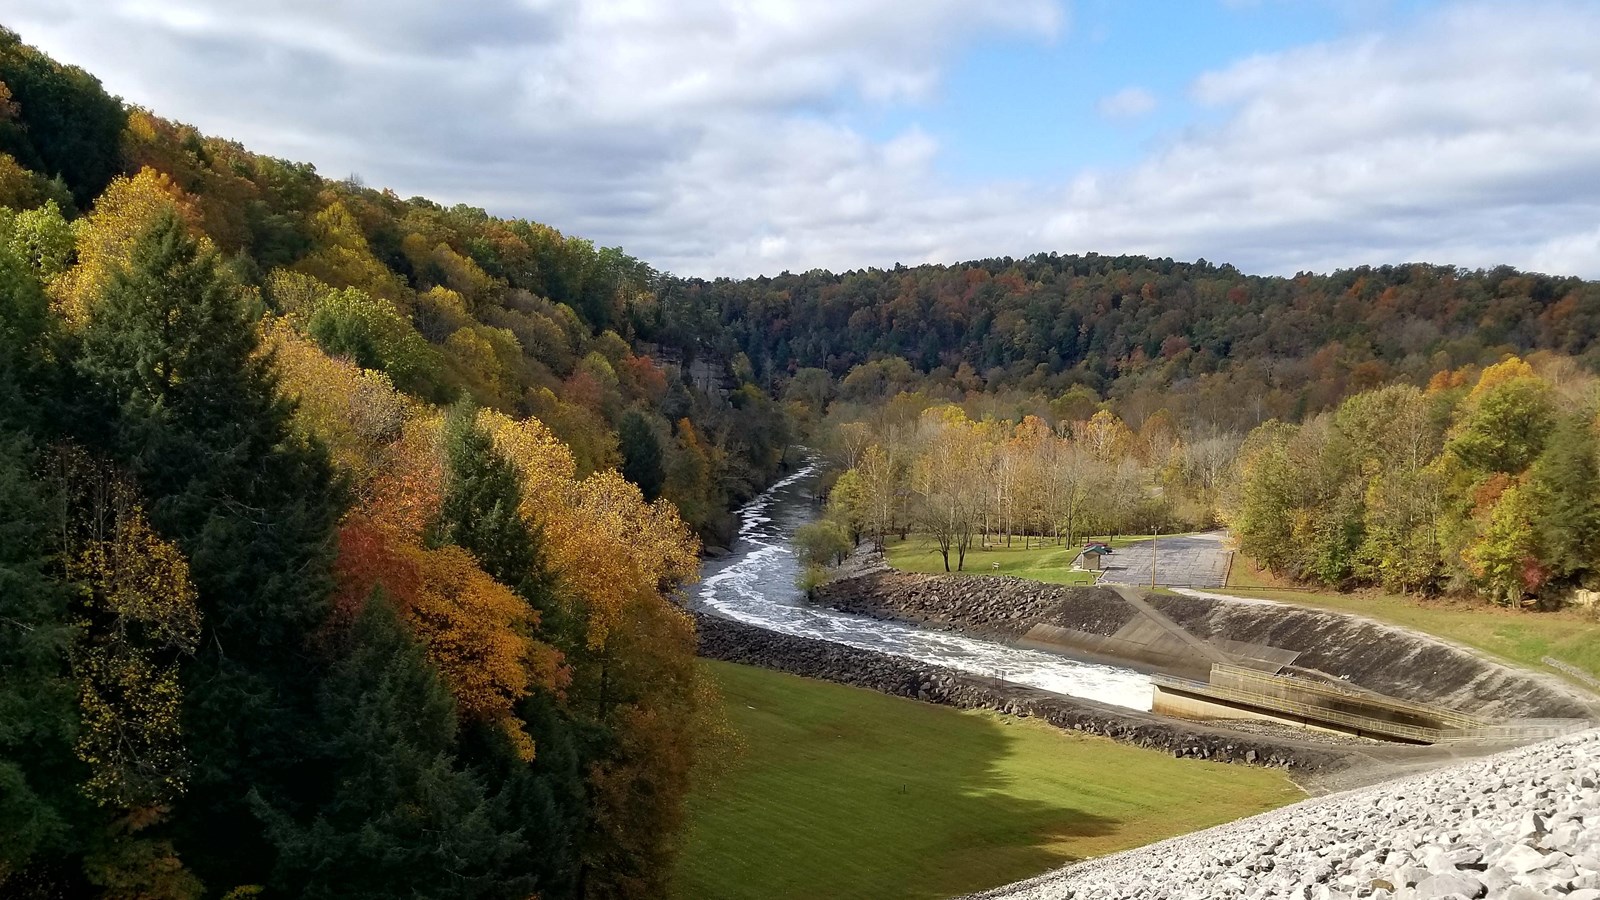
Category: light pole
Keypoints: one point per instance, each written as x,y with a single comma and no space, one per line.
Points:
1153,539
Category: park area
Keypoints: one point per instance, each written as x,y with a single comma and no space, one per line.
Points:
1052,562
1046,562
841,792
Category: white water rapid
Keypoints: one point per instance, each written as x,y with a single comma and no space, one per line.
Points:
755,583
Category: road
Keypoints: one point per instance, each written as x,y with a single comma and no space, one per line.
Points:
1194,560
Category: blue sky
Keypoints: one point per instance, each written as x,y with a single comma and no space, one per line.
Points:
746,136
1029,108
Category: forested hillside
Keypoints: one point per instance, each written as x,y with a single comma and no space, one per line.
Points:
1206,342
342,535
317,572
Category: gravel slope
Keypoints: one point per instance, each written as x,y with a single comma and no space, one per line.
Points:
1521,825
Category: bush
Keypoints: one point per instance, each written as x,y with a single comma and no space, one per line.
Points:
811,578
823,543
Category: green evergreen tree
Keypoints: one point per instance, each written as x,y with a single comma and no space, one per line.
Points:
39,801
641,454
68,125
1566,483
480,512
38,714
544,801
405,818
175,390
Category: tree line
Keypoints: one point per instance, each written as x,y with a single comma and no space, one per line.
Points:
1478,481
1208,343
446,301
967,484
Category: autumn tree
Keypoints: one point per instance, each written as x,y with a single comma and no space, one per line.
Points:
948,478
1505,419
1565,485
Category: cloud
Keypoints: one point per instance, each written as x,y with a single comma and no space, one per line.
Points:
1471,137
1128,103
712,136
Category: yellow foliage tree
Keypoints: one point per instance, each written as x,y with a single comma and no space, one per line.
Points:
476,631
106,237
356,412
137,614
341,256
603,541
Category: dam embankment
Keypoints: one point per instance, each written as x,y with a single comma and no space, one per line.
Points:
725,639
1097,623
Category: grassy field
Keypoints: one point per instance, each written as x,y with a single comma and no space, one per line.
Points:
1050,563
846,793
1516,635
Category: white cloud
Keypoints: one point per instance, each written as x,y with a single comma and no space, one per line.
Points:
708,137
1472,137
1128,103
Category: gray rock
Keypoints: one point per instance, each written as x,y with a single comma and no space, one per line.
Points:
1450,885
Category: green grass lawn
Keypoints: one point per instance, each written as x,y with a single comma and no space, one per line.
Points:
846,793
1050,563
1520,636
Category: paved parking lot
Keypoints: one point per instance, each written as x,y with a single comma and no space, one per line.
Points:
1195,560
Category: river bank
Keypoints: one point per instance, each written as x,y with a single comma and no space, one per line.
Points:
755,584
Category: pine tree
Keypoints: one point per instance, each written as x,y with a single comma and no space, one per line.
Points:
38,719
544,800
641,454
1566,481
405,818
175,391
480,512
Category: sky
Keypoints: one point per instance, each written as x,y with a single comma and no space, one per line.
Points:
745,137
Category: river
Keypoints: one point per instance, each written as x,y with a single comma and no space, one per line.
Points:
755,583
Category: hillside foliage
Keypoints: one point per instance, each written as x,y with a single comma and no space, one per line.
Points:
317,573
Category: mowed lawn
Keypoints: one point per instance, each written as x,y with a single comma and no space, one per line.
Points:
1051,563
846,793
1520,636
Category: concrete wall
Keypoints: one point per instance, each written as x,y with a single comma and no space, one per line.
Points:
1170,702
1377,657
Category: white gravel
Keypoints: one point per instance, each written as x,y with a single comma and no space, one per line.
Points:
1520,825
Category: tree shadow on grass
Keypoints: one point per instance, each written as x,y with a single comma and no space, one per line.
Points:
845,793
